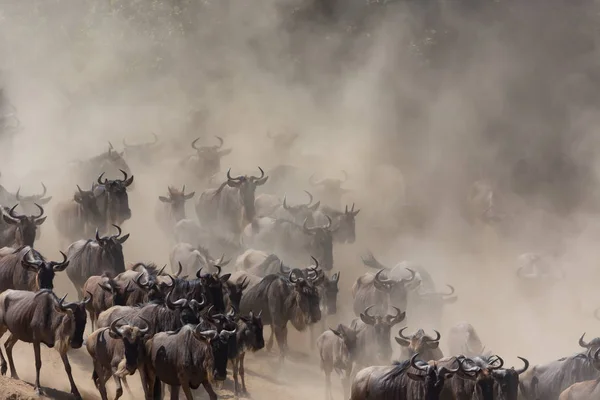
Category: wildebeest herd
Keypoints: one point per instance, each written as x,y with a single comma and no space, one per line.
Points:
183,326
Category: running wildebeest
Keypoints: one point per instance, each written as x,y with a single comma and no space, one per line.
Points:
19,230
24,268
282,300
337,350
343,222
40,317
110,162
171,209
112,199
584,390
380,292
117,351
78,218
106,292
207,160
95,257
249,338
420,342
228,209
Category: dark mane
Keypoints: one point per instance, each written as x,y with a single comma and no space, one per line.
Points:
399,368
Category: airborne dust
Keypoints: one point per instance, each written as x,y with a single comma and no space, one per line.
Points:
415,100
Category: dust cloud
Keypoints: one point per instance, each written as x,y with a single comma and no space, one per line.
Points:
415,100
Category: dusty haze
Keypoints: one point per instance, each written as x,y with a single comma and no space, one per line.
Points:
446,92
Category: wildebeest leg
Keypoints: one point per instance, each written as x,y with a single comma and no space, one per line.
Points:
281,336
186,390
234,367
328,395
8,345
211,393
100,380
242,373
3,366
67,365
174,389
38,365
270,341
118,385
346,382
126,384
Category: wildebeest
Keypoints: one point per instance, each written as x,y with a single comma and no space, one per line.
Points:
549,380
106,292
343,222
78,218
110,162
19,230
295,300
113,201
249,338
292,242
337,350
538,267
207,160
331,190
192,258
27,203
171,208
584,390
380,292
420,342
141,152
95,257
374,336
463,339
37,318
117,351
228,209
481,204
411,380
24,268
271,206
187,358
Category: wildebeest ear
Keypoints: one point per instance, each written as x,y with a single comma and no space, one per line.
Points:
164,199
367,320
45,200
433,345
223,153
189,195
337,333
262,181
40,221
123,239
9,220
224,278
415,377
402,342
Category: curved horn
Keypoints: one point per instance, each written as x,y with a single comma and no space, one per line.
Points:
498,358
285,206
310,196
262,173
291,277
97,237
11,212
383,281
194,144
525,367
220,142
113,327
160,271
45,190
199,273
180,269
78,188
124,175
219,270
401,334
414,364
41,210
328,222
230,178
582,343
118,229
88,299
18,194
147,328
316,262
451,291
438,336
99,180
413,274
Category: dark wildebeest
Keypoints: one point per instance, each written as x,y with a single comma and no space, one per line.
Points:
24,268
228,209
295,300
485,379
27,203
337,350
210,285
549,380
117,352
19,230
331,190
343,222
95,257
426,346
408,380
584,390
111,162
112,199
233,292
374,336
192,258
187,358
290,241
171,209
78,218
381,292
106,292
207,160
464,340
249,338
37,318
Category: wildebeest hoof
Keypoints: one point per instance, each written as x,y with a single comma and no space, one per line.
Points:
15,376
3,369
39,392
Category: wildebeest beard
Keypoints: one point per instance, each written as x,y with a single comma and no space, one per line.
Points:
303,302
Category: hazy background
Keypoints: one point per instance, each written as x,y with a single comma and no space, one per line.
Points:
415,99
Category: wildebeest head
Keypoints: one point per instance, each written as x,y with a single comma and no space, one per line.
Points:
321,243
507,379
141,149
27,202
133,339
26,226
177,201
234,292
301,211
419,342
332,188
74,324
396,289
329,286
213,284
382,326
346,232
482,203
247,188
303,302
44,270
219,345
210,156
116,200
115,159
482,373
350,337
113,245
118,292
253,334
87,201
591,346
432,375
156,291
